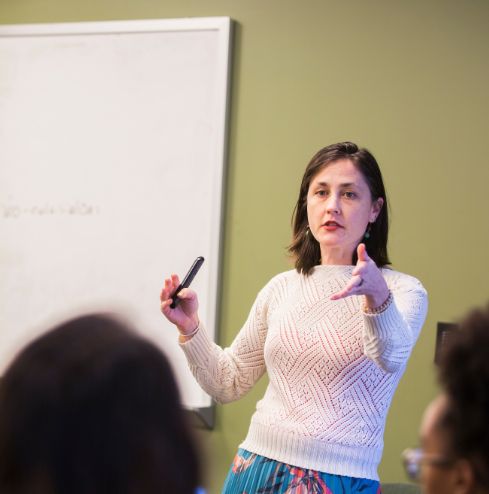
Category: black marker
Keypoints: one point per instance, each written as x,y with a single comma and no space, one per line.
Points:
187,280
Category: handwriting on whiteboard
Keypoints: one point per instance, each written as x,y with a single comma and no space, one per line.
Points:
75,208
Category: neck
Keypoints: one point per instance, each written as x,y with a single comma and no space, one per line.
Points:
336,255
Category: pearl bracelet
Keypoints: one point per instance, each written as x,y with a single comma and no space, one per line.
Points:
381,308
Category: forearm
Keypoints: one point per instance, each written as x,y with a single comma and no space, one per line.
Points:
389,335
225,374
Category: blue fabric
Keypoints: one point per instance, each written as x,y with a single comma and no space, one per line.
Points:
255,474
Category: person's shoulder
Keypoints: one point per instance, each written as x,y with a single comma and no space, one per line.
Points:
283,278
280,281
396,279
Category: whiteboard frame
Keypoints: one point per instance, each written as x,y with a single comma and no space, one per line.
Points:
223,27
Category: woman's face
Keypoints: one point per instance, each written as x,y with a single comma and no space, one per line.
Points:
339,208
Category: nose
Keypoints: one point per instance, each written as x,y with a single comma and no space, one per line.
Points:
333,204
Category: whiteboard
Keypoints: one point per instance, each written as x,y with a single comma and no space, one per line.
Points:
112,164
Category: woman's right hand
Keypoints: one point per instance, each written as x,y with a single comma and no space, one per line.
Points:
184,315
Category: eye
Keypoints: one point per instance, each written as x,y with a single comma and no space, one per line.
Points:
321,193
349,194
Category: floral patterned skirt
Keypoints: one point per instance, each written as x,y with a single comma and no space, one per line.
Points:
255,474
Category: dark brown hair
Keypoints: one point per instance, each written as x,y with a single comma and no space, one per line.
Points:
464,376
91,407
304,247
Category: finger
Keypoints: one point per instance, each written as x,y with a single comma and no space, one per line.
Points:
362,253
358,270
357,281
162,295
339,295
350,289
367,257
166,290
173,284
165,306
187,294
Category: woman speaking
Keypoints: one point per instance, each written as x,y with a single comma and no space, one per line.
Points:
334,336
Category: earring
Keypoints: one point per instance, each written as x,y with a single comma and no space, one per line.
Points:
307,231
366,236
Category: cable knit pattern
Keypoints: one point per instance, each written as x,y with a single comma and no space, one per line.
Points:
332,368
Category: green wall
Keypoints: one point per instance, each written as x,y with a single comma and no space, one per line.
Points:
407,79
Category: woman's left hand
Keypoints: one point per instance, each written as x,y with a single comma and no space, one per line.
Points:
366,280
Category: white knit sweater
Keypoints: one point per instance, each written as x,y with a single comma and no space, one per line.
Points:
332,368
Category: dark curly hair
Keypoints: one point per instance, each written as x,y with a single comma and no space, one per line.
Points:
304,248
464,375
92,407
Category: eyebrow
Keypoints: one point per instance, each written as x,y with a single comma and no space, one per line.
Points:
346,184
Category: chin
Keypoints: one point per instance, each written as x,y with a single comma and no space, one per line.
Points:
332,243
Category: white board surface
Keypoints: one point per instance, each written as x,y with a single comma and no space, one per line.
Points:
112,158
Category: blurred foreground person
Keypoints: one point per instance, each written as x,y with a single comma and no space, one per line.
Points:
454,453
89,408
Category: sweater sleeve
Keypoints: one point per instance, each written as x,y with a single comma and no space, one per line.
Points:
228,374
389,337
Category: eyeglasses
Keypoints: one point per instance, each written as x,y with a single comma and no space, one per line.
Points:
414,458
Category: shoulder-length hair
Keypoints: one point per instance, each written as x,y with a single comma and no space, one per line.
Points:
304,247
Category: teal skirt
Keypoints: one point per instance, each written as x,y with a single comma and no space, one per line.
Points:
255,474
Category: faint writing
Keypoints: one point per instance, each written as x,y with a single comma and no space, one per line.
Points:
76,208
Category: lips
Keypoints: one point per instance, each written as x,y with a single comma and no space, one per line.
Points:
332,225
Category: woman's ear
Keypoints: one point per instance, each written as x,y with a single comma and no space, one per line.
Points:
376,208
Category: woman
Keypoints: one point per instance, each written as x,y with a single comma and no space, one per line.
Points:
454,454
334,336
90,407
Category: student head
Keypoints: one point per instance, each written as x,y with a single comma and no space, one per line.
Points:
305,247
454,455
89,408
